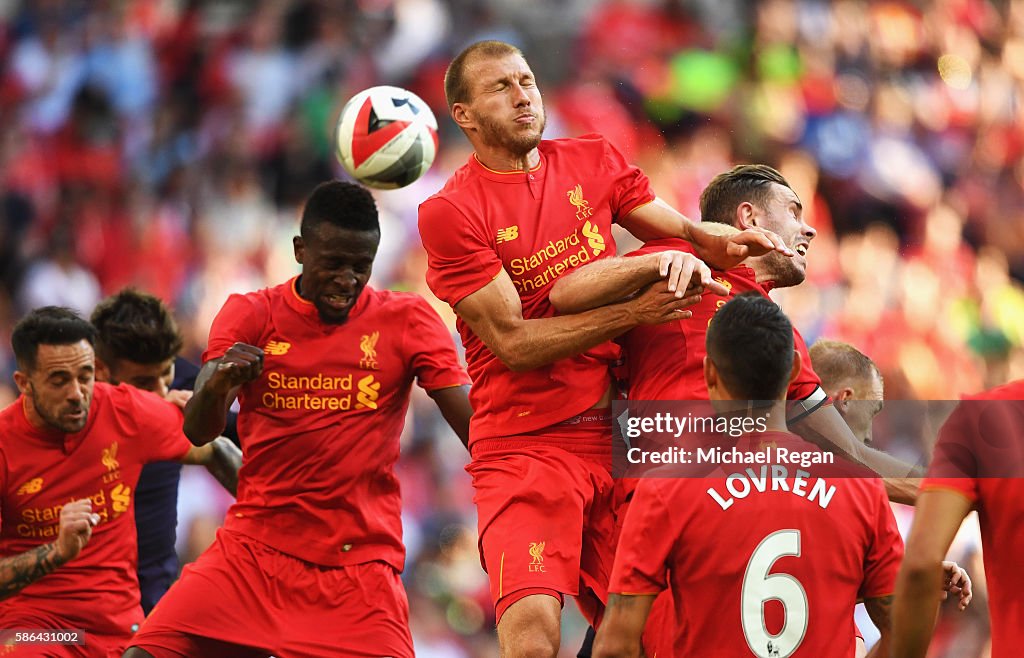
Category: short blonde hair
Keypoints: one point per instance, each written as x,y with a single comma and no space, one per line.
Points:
456,86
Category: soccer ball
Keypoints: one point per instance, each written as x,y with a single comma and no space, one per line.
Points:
386,137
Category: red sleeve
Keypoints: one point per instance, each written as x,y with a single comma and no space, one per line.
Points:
663,244
648,537
954,463
460,257
159,425
430,350
240,320
885,552
807,381
630,186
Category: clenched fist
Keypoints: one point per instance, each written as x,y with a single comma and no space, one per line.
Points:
76,523
242,363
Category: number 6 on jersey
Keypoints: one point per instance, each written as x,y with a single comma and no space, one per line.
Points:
759,587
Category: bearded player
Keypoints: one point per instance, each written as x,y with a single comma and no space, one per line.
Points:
520,214
308,560
71,451
664,362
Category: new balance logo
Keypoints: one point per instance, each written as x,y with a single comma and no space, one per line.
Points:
32,486
508,234
277,348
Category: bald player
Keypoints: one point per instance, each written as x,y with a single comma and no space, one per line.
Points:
847,375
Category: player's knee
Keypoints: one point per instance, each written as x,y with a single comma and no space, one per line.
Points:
531,628
530,645
135,652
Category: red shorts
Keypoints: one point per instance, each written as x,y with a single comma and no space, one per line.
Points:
243,598
545,509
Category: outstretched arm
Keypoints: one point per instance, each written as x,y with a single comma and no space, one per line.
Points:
825,428
206,414
495,314
19,571
611,280
719,245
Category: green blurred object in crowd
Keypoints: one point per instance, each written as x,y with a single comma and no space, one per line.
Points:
702,80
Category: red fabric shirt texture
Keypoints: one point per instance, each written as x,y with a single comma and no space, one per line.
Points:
666,361
538,226
320,427
980,454
838,547
42,470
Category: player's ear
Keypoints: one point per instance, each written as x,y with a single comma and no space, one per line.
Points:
102,371
300,248
710,375
21,381
745,216
461,116
798,364
842,398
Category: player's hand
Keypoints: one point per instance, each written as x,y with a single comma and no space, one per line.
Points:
178,398
725,247
76,523
655,304
242,363
956,581
685,274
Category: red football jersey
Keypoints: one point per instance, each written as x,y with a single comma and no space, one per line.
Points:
761,564
666,361
42,470
537,225
979,454
320,427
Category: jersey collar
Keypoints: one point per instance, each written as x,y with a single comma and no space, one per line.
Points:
516,176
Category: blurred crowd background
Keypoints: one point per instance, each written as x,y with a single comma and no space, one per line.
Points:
168,144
